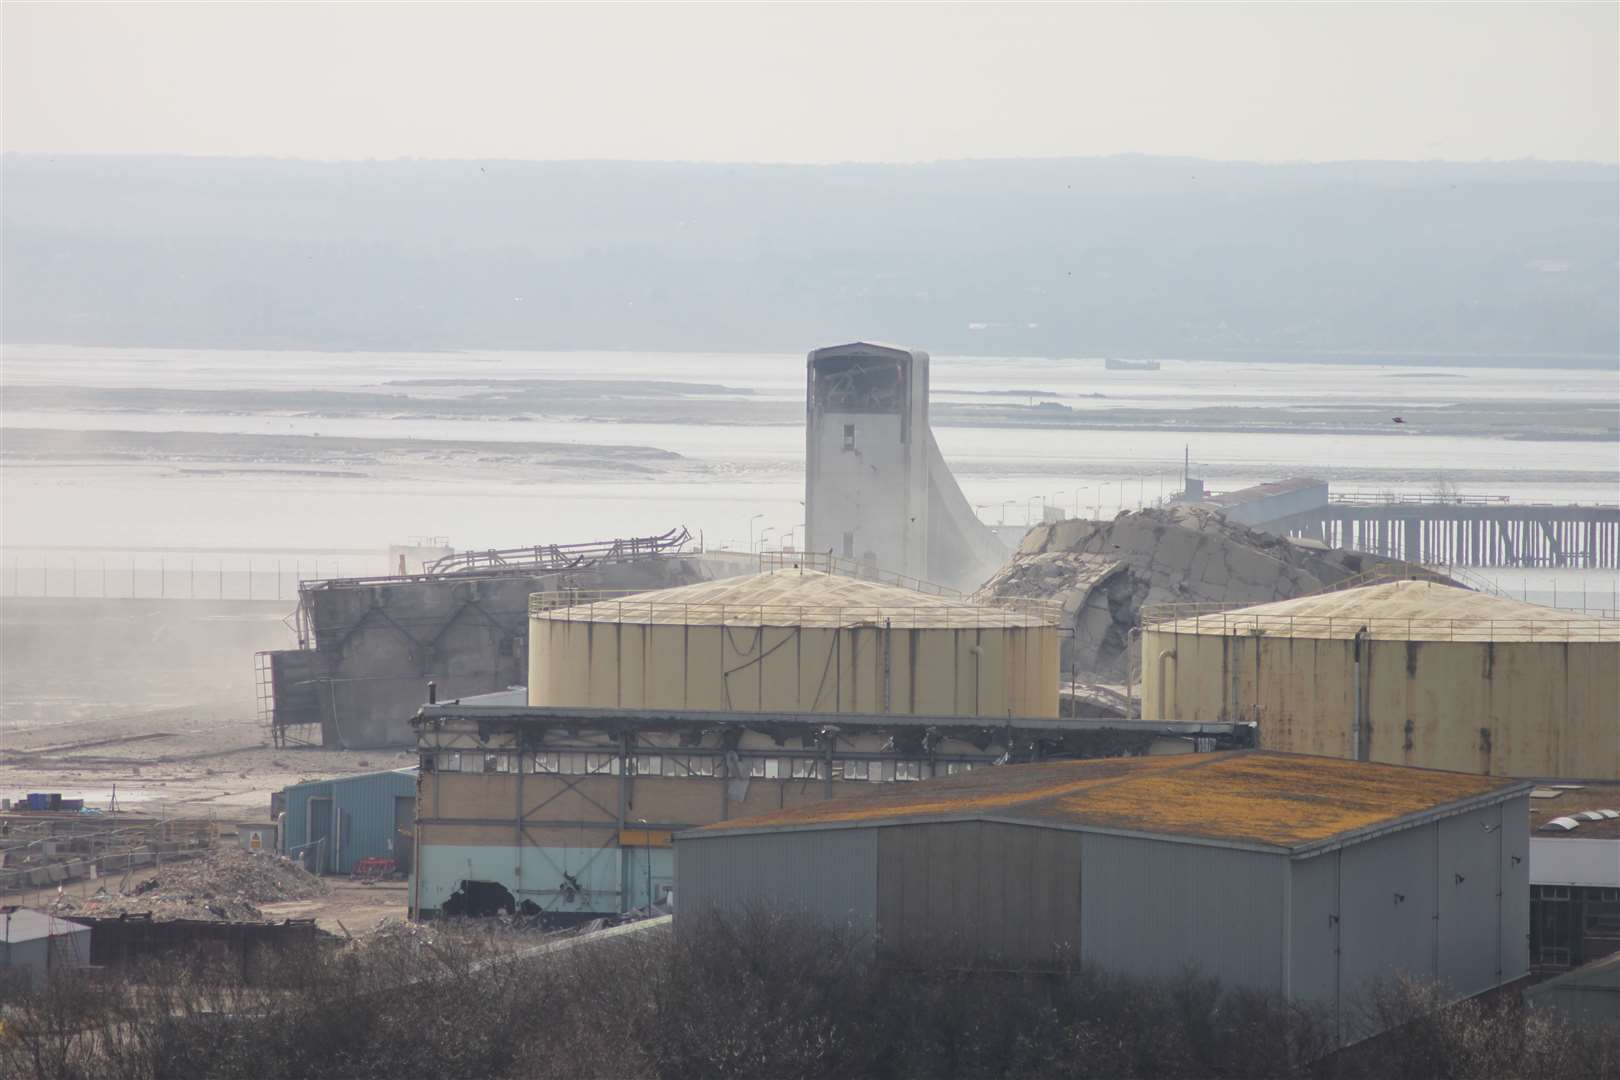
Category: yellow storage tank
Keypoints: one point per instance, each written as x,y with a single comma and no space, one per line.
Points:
1406,672
795,640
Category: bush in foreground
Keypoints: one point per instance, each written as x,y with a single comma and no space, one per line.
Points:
759,995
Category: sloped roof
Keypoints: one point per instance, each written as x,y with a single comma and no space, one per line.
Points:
1251,798
1401,610
26,924
795,597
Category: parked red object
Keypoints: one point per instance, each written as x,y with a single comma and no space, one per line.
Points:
373,868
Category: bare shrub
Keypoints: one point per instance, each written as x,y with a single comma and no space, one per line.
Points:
756,994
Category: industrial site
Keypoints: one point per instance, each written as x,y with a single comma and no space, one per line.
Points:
1295,742
783,541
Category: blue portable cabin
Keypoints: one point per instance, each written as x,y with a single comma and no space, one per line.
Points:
332,824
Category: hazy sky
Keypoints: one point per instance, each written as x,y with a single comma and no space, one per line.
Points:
814,83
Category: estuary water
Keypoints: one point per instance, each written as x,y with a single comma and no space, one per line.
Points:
1019,433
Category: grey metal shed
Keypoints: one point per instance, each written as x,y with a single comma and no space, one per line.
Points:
1307,877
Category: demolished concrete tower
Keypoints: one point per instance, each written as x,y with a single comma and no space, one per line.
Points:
1104,573
877,489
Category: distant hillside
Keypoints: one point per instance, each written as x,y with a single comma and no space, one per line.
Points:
1117,256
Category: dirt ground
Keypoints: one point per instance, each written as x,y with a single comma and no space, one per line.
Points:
210,762
349,909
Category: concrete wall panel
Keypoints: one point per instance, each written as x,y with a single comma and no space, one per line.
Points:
1470,900
1155,909
1002,892
1388,907
829,875
1514,870
1313,932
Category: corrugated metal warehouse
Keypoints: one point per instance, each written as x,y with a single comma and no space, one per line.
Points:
796,640
1307,877
1407,672
332,824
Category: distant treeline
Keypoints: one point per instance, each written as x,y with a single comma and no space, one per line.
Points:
1128,256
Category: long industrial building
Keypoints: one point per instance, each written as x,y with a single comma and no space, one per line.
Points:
1305,877
1406,672
569,811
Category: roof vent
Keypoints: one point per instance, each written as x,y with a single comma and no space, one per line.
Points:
1596,815
1560,824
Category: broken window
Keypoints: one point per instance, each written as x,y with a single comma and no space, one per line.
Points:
546,763
859,384
480,899
908,770
808,769
648,764
602,763
854,770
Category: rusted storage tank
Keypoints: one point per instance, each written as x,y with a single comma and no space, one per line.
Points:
795,640
1407,672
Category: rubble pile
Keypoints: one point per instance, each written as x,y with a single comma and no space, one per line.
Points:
225,884
1105,572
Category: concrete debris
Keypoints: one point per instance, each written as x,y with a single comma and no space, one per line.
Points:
226,884
1093,701
1104,572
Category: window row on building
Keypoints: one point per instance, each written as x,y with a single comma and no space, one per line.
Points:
1573,924
588,763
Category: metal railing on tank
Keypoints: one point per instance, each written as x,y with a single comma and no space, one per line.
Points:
827,563
1224,620
1020,613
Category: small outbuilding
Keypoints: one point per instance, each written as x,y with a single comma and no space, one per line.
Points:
1586,995
38,943
1305,877
330,825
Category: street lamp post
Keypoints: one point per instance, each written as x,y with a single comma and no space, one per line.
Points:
1100,486
646,841
1057,498
751,521
763,533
